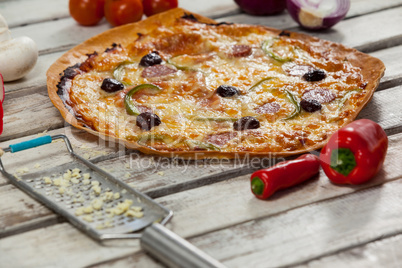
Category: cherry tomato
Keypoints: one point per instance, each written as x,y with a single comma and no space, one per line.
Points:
119,12
152,7
87,12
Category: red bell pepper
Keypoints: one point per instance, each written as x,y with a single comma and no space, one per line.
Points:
265,182
355,153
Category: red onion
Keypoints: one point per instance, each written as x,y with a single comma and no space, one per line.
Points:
262,7
318,14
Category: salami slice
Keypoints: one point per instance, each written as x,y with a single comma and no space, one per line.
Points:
268,108
222,138
239,51
157,71
321,95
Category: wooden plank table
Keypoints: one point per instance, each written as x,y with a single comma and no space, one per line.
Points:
317,224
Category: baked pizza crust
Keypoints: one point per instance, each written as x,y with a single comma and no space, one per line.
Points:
372,70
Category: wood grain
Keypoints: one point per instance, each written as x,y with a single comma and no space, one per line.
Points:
318,229
54,154
158,176
19,112
37,11
23,12
60,35
219,217
316,224
365,33
381,253
392,76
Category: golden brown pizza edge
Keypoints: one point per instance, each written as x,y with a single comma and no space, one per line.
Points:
372,70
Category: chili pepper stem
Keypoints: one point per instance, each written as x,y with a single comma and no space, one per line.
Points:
343,161
257,186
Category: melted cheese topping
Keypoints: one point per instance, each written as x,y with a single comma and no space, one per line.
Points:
193,116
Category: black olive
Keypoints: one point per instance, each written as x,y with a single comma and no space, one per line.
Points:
111,85
151,59
247,122
227,91
284,33
310,105
314,75
148,120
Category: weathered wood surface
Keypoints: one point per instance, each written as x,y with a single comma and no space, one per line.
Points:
24,12
365,33
392,76
158,176
71,36
65,33
316,224
36,11
380,253
307,220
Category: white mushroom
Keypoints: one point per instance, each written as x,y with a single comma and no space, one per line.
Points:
17,56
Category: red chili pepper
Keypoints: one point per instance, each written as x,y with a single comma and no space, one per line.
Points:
265,182
355,153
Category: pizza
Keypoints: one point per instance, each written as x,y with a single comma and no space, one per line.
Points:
181,84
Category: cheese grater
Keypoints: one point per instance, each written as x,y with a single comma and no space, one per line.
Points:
104,207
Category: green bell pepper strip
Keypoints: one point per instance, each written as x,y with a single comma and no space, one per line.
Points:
128,102
180,67
297,109
117,72
203,145
342,103
217,119
260,82
142,139
267,48
347,97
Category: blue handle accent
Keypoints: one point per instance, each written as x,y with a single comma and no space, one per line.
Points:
30,144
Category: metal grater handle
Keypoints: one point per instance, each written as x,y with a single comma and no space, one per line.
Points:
30,144
17,147
173,250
